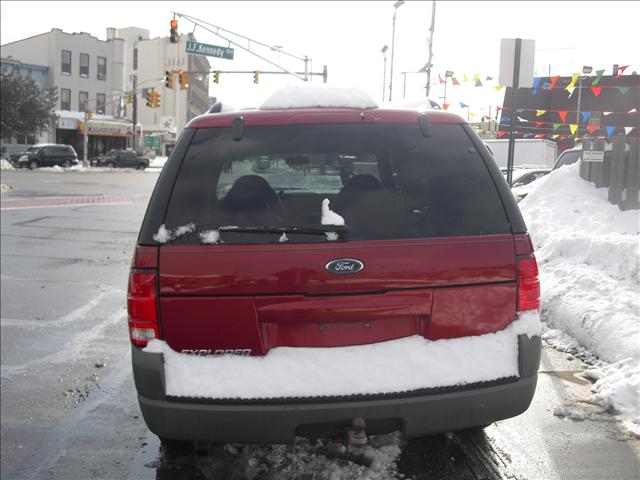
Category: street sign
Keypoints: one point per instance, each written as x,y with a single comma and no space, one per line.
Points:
205,49
592,156
507,62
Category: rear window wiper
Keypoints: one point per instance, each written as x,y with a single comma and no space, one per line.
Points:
341,230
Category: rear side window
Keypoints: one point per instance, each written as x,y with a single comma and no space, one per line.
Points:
386,181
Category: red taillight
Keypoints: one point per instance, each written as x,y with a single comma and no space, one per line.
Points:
528,284
141,305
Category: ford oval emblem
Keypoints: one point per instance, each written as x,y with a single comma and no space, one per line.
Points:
344,266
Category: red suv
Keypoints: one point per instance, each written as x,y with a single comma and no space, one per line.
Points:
301,267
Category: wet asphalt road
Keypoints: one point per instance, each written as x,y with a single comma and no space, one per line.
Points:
68,403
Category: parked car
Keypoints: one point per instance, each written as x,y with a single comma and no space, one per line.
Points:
523,179
121,159
48,155
568,157
269,304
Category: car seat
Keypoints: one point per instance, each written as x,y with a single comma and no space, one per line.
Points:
353,191
252,201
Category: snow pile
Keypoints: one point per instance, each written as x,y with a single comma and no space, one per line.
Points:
157,162
305,459
183,230
329,217
310,96
163,235
210,237
5,164
312,372
55,168
588,254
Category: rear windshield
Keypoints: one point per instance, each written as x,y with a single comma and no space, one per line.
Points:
385,181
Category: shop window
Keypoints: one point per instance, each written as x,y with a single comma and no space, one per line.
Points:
66,62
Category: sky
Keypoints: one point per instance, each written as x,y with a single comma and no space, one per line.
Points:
348,38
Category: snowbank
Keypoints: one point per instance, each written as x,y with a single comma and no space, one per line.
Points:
5,164
309,96
311,372
588,254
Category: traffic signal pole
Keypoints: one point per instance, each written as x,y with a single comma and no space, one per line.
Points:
134,77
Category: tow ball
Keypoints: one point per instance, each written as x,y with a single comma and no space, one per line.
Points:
356,436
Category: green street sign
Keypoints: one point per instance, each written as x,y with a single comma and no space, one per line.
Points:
205,49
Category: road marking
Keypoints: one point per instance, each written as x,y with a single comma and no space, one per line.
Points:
51,202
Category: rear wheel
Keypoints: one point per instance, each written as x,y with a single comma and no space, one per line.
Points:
141,166
111,165
66,164
33,164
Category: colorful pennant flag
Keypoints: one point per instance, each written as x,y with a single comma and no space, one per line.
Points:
596,91
627,130
497,88
539,124
563,116
476,77
454,81
606,113
572,84
501,134
445,106
545,86
573,127
592,128
556,126
623,90
478,83
463,105
528,135
570,90
554,80
465,78
536,84
610,131
555,136
620,71
504,119
585,116
440,79
599,74
488,79
539,113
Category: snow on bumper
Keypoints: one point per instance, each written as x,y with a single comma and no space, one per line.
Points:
402,365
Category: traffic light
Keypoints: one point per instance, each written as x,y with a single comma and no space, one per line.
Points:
130,97
184,79
155,100
216,76
149,98
168,79
256,76
89,114
173,31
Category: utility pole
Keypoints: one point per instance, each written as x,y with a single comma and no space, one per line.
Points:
433,24
134,77
85,138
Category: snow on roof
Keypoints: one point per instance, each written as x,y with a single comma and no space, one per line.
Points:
310,96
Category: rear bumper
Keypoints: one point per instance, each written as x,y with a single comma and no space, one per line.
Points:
414,415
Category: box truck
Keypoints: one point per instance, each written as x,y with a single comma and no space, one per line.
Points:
527,152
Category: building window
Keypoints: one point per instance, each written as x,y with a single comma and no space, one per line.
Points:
100,103
65,99
84,65
135,58
102,68
83,102
66,62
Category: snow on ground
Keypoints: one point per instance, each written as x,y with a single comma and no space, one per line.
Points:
588,254
309,96
5,164
310,372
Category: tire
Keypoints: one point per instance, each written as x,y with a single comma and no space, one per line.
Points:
111,165
141,166
66,164
33,164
